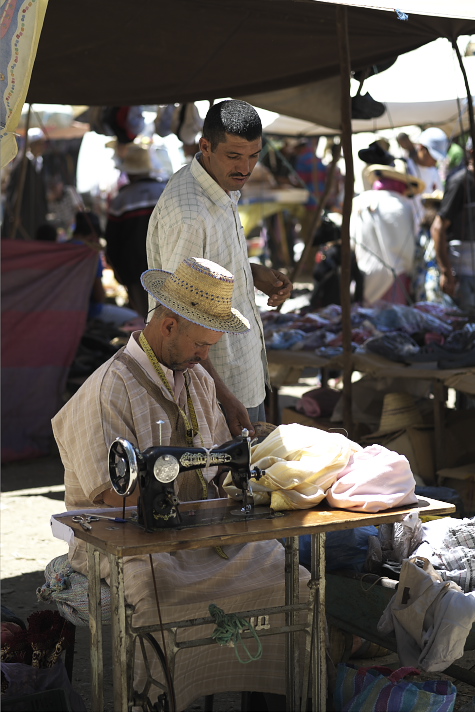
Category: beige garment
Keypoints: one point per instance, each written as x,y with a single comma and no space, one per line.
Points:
300,465
112,404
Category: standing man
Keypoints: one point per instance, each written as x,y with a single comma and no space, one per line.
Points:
453,232
197,216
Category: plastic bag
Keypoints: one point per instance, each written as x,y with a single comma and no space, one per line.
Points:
27,680
407,535
380,688
345,549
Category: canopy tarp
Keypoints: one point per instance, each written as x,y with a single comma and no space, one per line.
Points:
434,103
161,52
419,113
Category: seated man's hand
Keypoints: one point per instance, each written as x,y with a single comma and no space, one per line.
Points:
275,284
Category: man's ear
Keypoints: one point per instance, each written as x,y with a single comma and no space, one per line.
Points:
168,326
205,146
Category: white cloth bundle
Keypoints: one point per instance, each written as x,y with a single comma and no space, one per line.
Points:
300,465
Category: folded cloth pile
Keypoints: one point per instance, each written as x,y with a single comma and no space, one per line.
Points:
303,465
430,618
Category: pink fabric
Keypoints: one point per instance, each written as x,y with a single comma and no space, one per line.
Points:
45,298
397,186
374,479
399,291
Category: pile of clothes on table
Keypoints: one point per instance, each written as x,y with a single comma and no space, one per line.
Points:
425,332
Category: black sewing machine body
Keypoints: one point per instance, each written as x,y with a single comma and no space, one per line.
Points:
157,468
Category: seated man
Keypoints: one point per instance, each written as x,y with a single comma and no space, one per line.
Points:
158,376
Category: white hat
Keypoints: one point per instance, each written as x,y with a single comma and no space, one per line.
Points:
200,291
436,142
35,134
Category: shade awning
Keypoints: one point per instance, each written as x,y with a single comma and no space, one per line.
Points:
165,52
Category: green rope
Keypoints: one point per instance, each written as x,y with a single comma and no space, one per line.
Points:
228,632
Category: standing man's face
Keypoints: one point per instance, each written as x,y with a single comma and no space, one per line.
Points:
232,162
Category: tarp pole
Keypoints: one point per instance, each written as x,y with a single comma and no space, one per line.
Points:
317,218
469,93
346,131
21,182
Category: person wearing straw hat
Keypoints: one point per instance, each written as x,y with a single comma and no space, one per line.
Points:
382,232
158,376
127,221
198,215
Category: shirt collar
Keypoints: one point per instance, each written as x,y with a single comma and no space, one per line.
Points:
175,378
210,187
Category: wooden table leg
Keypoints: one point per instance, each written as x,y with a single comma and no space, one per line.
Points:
119,635
95,627
319,678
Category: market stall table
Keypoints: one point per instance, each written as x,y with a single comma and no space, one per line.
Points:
128,539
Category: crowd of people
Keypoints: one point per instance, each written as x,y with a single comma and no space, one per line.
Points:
413,228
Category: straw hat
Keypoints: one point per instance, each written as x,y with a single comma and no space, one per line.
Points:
399,412
397,172
200,291
136,160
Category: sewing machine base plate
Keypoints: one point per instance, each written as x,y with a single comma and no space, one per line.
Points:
221,515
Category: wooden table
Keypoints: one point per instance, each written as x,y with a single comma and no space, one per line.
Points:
122,540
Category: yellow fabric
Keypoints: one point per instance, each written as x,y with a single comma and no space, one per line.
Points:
300,465
252,213
18,56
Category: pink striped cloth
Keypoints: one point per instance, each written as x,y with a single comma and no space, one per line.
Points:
45,298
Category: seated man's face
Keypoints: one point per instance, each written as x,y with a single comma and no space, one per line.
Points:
188,344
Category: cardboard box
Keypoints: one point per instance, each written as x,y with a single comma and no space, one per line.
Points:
461,479
459,440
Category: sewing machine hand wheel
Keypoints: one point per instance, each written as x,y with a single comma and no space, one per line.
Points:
123,466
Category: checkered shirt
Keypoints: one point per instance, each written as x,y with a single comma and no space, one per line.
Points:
195,217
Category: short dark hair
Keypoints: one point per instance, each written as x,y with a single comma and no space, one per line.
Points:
231,116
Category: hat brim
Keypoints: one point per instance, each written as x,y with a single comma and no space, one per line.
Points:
153,281
413,182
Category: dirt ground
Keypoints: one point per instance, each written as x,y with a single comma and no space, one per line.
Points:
32,491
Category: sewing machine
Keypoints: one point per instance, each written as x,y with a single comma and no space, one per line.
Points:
157,468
